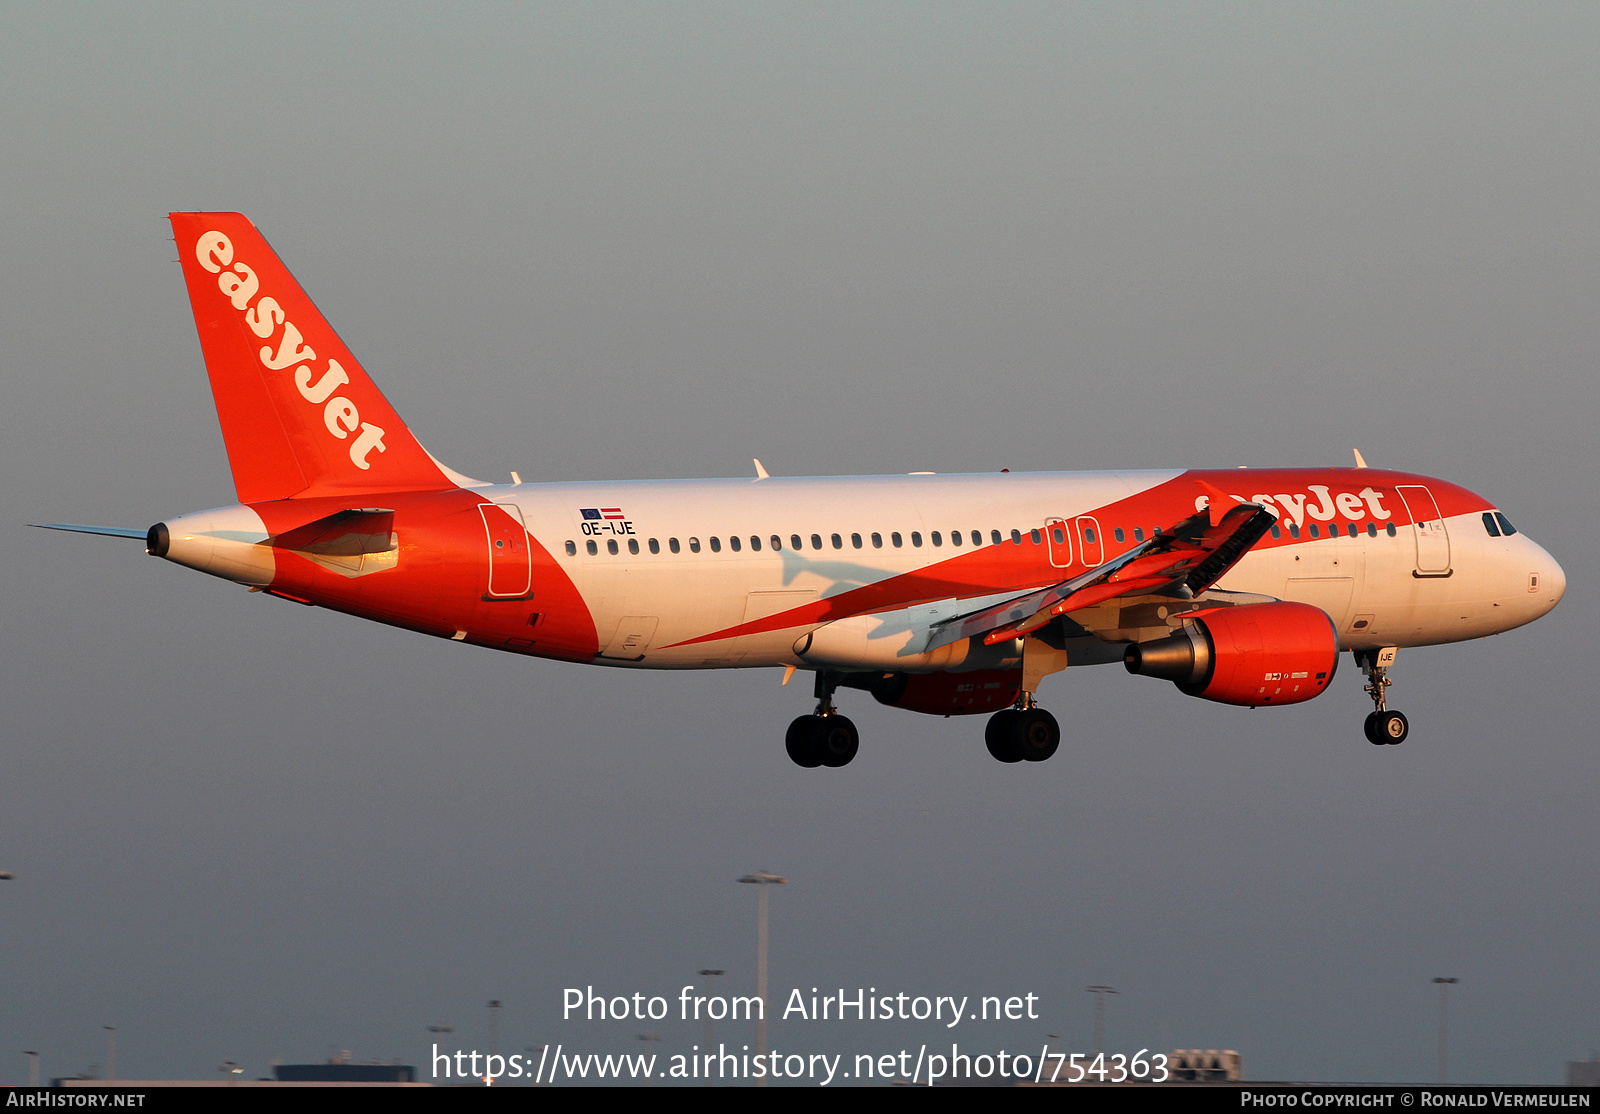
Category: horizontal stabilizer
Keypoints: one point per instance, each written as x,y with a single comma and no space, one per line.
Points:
344,533
111,531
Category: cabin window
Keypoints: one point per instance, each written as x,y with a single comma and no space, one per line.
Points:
734,543
633,546
1056,535
1505,524
994,537
1119,535
755,544
1016,537
916,539
855,540
838,542
937,538
877,541
1034,534
572,549
777,543
1277,532
1372,529
611,547
1390,529
896,540
655,546
955,537
1138,533
716,545
794,542
816,541
592,548
1315,531
672,544
977,537
1294,529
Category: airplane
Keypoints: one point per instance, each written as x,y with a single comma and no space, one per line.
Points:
940,594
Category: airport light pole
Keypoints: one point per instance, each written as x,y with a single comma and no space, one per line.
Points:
1444,1028
33,1067
762,879
710,976
1100,993
111,1051
649,1036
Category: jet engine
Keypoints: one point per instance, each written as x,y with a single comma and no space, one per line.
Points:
1264,653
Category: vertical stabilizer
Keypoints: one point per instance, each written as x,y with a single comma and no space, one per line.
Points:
299,415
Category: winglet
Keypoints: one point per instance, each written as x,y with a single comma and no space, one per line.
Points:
761,473
1218,501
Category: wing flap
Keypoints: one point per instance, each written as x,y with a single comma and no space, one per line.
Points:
1181,562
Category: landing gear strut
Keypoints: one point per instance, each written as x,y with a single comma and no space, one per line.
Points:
1023,732
824,738
1383,727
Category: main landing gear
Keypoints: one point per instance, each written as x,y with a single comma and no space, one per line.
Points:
1024,732
1383,727
824,738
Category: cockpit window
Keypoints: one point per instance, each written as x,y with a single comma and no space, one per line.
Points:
1489,524
1505,524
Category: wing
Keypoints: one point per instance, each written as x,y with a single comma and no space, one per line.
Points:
1181,562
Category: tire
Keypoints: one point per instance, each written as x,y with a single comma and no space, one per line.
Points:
1370,728
836,740
1000,736
801,741
1392,728
1037,734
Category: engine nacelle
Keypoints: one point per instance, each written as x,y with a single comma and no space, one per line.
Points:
942,694
1263,653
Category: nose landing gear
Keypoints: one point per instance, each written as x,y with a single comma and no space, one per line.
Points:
1383,727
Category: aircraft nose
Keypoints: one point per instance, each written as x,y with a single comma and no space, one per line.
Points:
1552,580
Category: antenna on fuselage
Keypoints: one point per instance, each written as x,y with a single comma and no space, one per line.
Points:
1361,461
761,473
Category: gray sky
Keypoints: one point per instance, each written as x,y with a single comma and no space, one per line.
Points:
591,242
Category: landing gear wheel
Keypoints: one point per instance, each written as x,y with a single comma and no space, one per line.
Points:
802,744
1037,734
836,740
1383,727
1001,737
1391,728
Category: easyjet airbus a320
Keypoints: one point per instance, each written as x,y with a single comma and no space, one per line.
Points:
948,595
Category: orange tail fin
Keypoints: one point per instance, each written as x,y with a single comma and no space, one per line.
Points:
299,415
